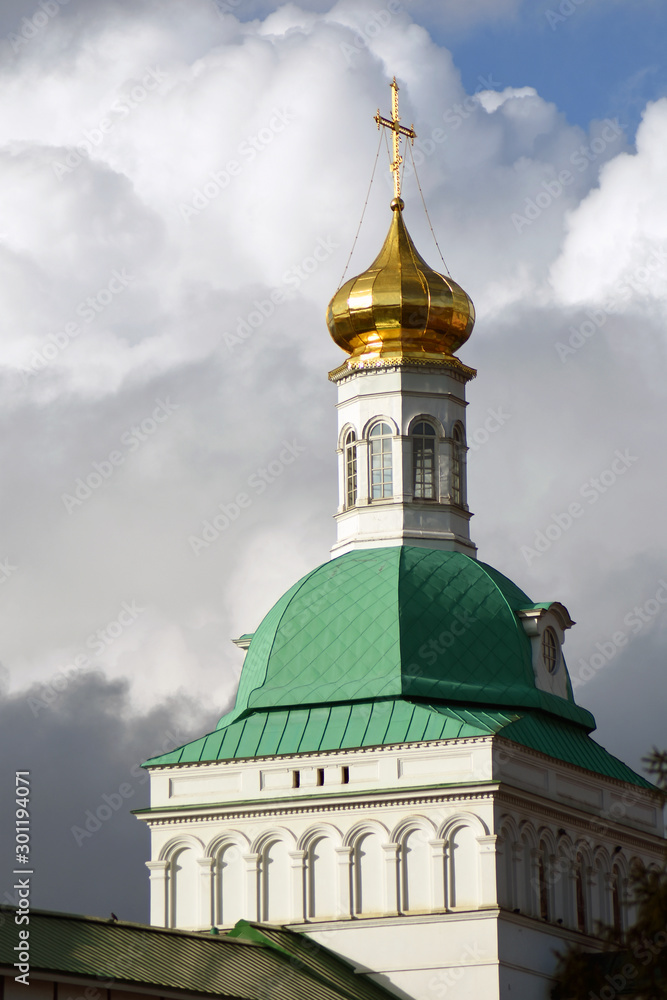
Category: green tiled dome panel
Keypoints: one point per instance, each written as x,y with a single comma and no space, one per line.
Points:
400,621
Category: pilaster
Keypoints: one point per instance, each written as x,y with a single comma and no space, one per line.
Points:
159,883
206,874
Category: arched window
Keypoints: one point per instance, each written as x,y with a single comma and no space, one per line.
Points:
382,485
543,885
423,461
457,465
350,469
616,916
580,889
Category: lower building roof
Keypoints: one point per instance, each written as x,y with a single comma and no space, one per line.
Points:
254,962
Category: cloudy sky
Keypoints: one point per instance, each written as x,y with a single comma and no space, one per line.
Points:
168,169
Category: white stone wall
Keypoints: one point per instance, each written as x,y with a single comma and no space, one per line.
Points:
401,398
356,844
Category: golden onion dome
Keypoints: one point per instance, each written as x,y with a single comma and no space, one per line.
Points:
400,307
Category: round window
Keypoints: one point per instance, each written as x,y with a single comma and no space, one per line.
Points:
550,650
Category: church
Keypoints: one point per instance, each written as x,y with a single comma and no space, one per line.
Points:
405,777
405,780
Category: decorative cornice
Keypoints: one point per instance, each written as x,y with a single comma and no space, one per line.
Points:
576,818
375,366
207,814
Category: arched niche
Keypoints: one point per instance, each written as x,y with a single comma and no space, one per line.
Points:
229,886
368,874
463,880
415,871
321,878
184,881
275,882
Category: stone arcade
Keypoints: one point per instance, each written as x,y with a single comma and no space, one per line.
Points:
405,776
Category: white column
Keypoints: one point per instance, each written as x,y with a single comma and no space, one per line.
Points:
390,878
343,894
406,493
159,881
298,885
206,915
488,890
363,479
252,886
341,479
397,446
438,873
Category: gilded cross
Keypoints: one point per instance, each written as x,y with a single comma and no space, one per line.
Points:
398,130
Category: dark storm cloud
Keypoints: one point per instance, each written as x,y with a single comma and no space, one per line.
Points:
83,746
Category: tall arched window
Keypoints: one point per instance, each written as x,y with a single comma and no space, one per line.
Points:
382,485
543,885
457,465
616,915
580,889
350,469
423,461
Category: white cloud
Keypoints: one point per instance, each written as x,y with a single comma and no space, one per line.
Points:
249,149
617,236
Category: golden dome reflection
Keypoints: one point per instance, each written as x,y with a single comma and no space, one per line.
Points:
400,307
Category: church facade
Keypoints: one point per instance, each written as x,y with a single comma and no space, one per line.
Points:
405,776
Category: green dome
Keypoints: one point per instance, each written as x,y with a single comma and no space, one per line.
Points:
399,622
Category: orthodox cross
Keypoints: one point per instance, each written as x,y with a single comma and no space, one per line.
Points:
398,130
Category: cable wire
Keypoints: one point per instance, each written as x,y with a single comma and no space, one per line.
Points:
414,166
363,212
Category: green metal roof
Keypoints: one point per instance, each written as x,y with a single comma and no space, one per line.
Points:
391,721
253,963
397,622
397,645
